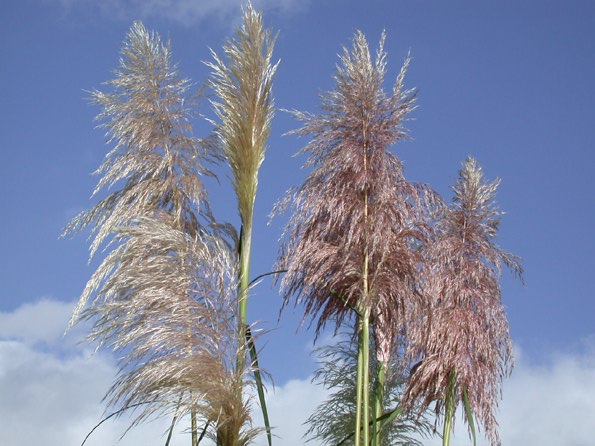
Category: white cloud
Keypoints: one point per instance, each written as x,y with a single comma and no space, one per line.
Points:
51,391
551,404
55,400
548,404
41,321
186,12
289,406
51,388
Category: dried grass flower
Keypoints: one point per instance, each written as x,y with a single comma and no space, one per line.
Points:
351,247
465,349
242,83
165,301
356,220
155,162
164,297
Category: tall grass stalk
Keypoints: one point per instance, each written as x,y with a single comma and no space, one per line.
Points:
466,349
362,413
162,297
242,82
350,249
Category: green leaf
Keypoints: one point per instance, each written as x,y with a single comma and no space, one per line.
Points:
259,384
173,423
270,273
342,299
388,417
449,408
116,413
203,433
469,414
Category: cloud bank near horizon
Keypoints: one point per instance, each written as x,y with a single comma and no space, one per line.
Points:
184,12
56,385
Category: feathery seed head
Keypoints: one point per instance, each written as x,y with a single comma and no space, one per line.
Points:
155,157
244,104
355,208
167,300
466,335
165,294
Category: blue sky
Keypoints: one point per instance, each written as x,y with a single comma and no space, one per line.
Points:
508,82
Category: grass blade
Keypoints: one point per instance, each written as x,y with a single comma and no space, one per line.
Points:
171,430
449,411
259,384
173,423
469,414
116,413
203,433
388,417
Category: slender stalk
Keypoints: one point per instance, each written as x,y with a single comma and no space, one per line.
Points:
378,400
244,283
449,411
365,334
365,346
193,427
242,83
366,381
359,385
363,371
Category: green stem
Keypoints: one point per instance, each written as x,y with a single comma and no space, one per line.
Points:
244,285
193,427
359,385
378,400
364,335
449,408
244,249
366,381
469,414
362,411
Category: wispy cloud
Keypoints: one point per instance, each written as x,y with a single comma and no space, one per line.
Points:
42,321
59,398
185,12
289,406
54,383
546,404
58,389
